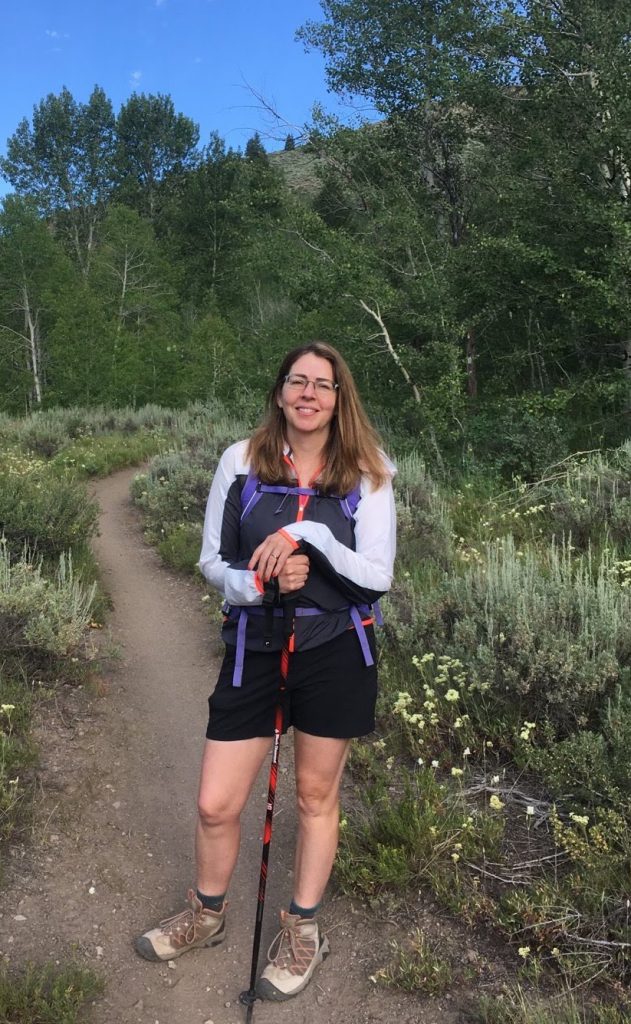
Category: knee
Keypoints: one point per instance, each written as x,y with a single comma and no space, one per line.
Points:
314,802
213,813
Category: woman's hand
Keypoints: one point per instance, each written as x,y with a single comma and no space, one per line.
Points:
270,557
294,574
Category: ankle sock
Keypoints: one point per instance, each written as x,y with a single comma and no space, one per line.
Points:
211,902
306,912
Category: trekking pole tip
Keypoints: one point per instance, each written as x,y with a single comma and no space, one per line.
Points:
248,998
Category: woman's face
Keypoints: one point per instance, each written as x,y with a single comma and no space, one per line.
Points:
309,409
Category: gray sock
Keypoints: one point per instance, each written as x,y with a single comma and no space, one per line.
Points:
306,912
211,902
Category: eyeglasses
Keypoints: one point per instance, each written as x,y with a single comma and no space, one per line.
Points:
298,382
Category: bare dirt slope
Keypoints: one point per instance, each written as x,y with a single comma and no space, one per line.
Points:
111,852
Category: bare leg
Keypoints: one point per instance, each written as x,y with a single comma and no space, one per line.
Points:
227,775
319,765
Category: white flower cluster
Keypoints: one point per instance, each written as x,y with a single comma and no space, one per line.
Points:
622,572
400,708
579,819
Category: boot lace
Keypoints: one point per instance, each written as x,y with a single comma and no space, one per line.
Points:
183,926
291,951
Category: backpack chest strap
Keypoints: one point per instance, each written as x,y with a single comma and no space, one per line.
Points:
253,490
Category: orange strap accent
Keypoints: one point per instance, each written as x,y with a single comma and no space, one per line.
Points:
287,536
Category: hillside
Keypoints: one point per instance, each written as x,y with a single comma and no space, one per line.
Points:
300,170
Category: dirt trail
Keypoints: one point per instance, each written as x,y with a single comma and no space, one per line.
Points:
112,847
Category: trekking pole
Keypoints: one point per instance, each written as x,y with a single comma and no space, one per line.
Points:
248,997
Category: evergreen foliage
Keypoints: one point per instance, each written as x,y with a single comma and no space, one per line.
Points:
469,253
254,149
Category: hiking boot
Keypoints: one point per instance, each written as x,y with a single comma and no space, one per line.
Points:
190,929
294,955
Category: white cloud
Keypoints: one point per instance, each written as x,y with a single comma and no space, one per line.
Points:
54,33
135,77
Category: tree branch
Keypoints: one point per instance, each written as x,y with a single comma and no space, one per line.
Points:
376,315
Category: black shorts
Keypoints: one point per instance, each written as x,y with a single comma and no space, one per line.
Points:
330,691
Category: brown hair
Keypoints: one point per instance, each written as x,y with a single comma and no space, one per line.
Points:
353,444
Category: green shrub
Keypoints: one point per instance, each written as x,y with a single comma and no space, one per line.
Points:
577,915
533,637
180,549
45,513
172,493
511,438
44,438
588,496
46,995
518,1008
424,525
588,766
417,966
40,616
416,837
551,634
206,432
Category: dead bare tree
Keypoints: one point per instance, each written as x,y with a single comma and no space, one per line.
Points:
394,355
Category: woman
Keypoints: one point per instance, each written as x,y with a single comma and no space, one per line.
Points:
299,538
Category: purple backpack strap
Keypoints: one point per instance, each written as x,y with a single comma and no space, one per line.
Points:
350,502
283,489
253,490
356,618
250,494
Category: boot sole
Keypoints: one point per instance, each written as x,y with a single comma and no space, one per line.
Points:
144,947
265,989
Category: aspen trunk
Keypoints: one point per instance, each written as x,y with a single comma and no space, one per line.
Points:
31,333
626,369
470,352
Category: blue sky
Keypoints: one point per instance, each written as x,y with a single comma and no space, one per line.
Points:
205,53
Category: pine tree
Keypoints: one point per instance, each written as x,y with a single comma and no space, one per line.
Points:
254,149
